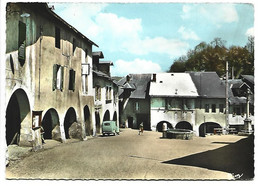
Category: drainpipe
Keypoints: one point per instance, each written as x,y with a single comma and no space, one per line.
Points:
40,61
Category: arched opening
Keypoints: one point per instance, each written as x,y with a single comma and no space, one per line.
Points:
17,110
97,118
106,116
207,127
70,118
115,116
87,120
183,125
49,122
160,124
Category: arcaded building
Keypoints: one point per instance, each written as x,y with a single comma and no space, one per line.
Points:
49,77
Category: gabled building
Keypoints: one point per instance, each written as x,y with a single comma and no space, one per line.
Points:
173,99
190,100
134,105
106,92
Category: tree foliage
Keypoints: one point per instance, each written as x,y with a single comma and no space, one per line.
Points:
213,56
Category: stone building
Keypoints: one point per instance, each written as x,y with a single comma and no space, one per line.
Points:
106,92
49,77
134,98
190,100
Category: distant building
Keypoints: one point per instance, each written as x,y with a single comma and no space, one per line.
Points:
190,100
237,101
134,106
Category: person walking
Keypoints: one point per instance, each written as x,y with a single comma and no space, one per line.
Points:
141,128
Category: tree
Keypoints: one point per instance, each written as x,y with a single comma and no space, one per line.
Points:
213,57
179,65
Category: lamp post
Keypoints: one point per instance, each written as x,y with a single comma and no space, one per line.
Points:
227,109
247,121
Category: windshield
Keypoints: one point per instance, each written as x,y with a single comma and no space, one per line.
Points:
106,124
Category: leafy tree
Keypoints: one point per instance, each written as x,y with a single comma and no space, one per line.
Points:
213,57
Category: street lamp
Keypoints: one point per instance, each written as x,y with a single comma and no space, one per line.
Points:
247,121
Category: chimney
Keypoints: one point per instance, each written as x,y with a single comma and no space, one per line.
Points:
154,78
127,78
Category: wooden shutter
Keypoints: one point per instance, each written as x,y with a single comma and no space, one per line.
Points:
72,80
61,78
54,78
22,42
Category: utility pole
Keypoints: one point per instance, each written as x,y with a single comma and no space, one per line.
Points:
227,87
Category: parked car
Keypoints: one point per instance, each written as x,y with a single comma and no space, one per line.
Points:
110,127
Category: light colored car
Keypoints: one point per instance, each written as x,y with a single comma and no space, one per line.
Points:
110,127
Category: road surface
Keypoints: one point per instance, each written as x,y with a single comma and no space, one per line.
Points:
133,156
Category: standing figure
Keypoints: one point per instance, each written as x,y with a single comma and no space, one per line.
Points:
42,133
141,128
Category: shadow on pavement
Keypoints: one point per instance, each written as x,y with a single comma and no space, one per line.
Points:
236,158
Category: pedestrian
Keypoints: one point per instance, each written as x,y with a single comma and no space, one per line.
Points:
42,133
141,128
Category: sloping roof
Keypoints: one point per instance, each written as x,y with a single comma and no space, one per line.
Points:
173,85
208,84
128,86
98,53
139,82
248,78
43,8
101,74
237,100
106,62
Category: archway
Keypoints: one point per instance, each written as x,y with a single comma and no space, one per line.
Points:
115,116
183,125
160,124
50,120
70,118
207,127
106,116
97,118
87,120
17,110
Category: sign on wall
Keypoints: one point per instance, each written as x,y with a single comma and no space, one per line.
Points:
85,69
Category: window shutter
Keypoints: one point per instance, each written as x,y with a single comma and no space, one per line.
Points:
21,42
54,78
73,79
62,77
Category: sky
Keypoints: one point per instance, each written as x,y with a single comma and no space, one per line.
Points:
147,37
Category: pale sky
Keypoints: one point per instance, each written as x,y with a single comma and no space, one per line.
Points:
147,37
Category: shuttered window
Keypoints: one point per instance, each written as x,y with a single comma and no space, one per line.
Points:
22,42
72,80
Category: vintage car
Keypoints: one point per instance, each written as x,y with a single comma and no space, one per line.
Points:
110,127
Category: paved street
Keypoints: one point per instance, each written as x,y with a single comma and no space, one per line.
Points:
130,156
